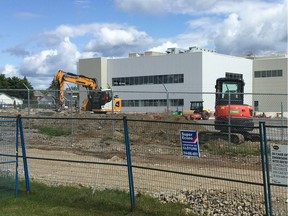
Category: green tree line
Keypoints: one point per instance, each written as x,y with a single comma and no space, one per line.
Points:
15,87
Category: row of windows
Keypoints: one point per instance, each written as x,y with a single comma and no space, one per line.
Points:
146,80
268,73
234,75
152,103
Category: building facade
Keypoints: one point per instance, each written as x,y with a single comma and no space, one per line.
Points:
270,84
157,82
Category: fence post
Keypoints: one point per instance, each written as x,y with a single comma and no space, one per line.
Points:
129,164
25,165
265,168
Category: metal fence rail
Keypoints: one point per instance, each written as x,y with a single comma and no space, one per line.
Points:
76,151
37,102
8,160
11,143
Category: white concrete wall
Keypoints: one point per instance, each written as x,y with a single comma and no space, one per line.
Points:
94,68
216,65
189,64
271,85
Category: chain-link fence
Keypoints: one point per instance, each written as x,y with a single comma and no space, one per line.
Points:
35,101
92,152
81,148
8,161
11,143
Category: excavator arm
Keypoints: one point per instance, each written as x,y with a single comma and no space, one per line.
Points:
98,100
61,77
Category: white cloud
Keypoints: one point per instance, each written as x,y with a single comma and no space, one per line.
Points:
118,40
164,46
11,71
106,39
37,64
230,27
259,29
44,64
55,49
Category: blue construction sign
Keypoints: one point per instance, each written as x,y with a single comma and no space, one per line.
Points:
189,143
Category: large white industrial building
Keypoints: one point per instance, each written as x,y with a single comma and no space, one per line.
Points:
145,82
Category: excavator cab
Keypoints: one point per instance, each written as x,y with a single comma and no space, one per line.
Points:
229,91
101,101
197,106
230,107
97,98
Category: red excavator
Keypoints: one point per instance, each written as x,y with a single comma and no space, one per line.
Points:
231,110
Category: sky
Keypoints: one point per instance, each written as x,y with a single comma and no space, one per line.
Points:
39,37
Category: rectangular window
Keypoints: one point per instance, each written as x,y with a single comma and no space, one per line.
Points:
141,80
148,80
131,81
279,73
152,103
170,79
176,80
256,105
136,80
268,73
165,77
181,78
234,75
145,80
114,81
161,80
257,74
121,81
156,80
176,102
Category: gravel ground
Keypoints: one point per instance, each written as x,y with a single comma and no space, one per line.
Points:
223,202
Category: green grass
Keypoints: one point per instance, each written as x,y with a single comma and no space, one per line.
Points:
54,131
233,149
72,201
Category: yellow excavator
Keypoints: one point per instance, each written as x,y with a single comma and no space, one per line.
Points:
98,100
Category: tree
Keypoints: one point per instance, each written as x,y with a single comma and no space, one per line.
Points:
3,82
14,87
